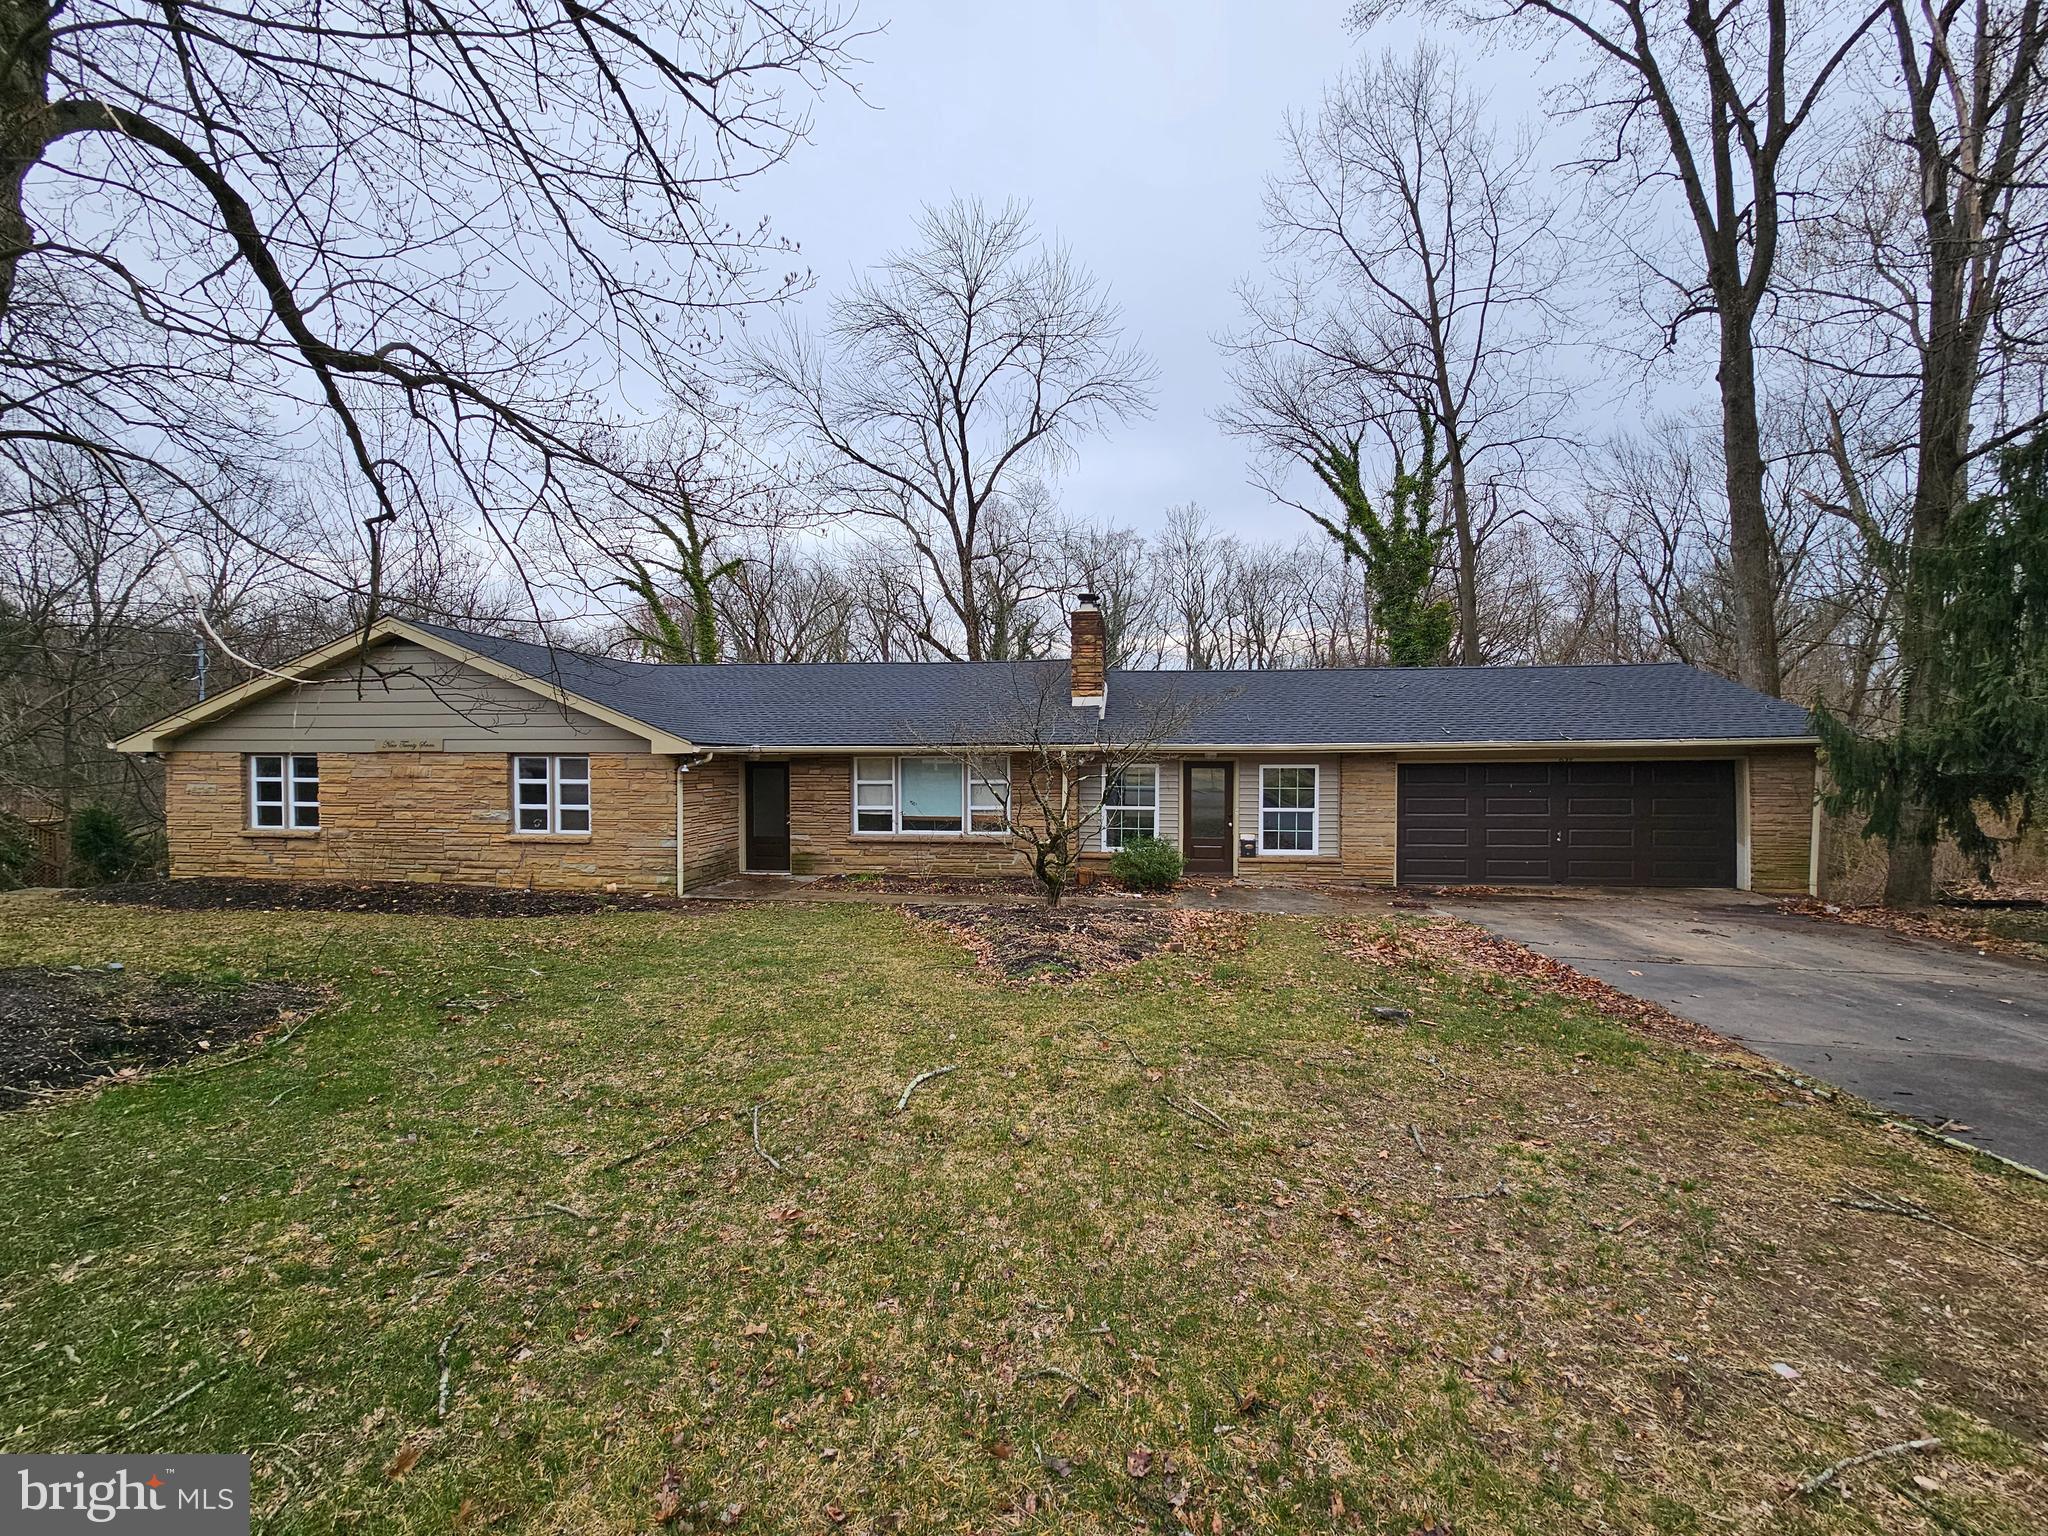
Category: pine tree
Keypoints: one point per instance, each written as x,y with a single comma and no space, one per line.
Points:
1399,549
1981,750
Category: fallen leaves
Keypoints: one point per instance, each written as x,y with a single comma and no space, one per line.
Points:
1445,941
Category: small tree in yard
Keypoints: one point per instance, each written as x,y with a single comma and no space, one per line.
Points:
1981,744
1060,762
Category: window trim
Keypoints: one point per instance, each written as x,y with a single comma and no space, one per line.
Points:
1315,813
288,779
553,803
970,780
1102,805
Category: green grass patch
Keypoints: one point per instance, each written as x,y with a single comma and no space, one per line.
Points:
1506,1267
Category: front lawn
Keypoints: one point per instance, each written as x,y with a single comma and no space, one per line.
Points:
1200,1244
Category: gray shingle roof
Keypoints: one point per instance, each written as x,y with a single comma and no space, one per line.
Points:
919,703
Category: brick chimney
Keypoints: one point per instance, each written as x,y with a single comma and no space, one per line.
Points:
1089,654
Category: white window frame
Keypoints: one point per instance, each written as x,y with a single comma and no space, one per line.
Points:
290,778
982,789
1103,807
553,808
869,781
1315,810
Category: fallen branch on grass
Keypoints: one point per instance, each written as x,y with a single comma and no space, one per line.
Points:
441,1354
1884,1205
1415,1135
158,1412
919,1081
766,1156
1197,1111
1828,1474
1499,1191
661,1141
1066,1376
566,1210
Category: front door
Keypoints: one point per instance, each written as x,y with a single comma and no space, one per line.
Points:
768,818
1207,820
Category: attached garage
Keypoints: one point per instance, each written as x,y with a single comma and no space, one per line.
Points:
1590,822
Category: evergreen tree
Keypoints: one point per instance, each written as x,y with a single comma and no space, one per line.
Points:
1399,548
1981,747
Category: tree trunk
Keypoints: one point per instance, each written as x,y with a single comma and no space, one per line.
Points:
1467,574
1941,480
24,94
1751,558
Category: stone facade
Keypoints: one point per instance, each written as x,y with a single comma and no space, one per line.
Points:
428,816
1369,796
822,840
1781,788
445,816
711,821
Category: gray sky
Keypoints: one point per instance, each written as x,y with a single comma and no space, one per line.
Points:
1141,133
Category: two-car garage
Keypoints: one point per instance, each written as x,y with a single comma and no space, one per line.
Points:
1586,822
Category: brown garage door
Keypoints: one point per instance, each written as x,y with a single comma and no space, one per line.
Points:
1584,823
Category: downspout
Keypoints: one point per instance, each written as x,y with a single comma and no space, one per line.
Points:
683,766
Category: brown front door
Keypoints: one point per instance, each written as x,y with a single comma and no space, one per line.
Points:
768,818
1207,823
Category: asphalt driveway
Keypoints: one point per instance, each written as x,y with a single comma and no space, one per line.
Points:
1925,1029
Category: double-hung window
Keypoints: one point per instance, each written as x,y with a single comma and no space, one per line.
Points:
1287,808
284,792
551,794
930,794
1130,805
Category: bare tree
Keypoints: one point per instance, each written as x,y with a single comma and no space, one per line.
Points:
419,240
1052,781
1926,294
1418,268
1711,100
958,372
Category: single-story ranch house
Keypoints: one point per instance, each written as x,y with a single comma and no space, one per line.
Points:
422,752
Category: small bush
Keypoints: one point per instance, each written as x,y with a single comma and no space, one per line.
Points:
103,846
1146,864
15,851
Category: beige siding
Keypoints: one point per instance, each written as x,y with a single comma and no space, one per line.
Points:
1329,795
410,698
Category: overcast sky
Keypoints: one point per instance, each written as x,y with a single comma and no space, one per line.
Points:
1141,134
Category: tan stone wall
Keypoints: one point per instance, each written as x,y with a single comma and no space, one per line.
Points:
822,840
1368,839
428,816
711,822
1780,819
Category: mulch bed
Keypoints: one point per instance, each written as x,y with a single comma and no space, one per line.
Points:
64,1028
217,895
1446,941
930,885
1062,944
1913,925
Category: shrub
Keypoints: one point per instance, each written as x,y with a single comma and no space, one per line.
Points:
103,846
15,851
1146,864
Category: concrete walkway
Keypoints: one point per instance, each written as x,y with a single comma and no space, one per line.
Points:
1925,1029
